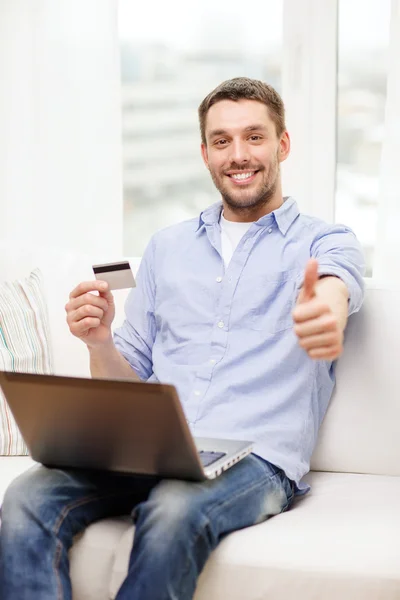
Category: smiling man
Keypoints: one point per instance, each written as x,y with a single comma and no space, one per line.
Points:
244,310
243,152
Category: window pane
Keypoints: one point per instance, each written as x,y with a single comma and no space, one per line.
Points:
362,76
172,55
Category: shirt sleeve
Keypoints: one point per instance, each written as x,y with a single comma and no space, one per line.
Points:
135,338
339,253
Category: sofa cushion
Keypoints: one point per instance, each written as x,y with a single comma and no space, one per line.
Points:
92,558
24,345
360,433
337,542
10,468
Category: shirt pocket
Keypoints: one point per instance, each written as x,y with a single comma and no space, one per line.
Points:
273,298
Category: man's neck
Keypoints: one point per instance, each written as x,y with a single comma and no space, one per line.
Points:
224,220
252,213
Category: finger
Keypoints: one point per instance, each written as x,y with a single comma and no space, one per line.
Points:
310,279
319,341
329,353
88,298
85,311
81,328
310,310
107,295
89,286
323,324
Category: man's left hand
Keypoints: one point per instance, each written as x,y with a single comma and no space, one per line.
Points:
320,315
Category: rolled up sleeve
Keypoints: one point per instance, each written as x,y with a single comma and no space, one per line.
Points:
339,253
135,338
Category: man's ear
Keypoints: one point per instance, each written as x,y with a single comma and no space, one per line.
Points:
204,154
284,146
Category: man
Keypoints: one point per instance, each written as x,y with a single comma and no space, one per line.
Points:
244,310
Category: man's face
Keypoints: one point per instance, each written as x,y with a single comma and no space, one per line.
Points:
243,152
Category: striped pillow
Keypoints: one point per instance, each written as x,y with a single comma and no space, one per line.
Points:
24,345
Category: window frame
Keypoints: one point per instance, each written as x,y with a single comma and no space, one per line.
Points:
309,90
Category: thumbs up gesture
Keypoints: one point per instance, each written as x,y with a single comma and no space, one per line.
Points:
320,314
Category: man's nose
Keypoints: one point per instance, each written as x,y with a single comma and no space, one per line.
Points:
239,152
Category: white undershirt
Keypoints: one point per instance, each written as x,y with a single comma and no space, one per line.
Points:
231,234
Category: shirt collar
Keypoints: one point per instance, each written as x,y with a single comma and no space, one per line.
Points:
210,215
284,215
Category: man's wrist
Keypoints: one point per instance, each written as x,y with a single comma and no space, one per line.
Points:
103,349
334,292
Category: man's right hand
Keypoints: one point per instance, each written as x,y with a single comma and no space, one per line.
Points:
89,316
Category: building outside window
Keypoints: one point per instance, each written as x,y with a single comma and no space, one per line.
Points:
168,66
362,78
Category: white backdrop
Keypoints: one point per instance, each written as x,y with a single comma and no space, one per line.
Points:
60,131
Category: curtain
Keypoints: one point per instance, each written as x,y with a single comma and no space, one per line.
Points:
387,252
60,129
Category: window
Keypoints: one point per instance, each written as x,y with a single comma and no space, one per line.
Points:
362,78
168,65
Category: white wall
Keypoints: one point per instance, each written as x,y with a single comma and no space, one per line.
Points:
60,141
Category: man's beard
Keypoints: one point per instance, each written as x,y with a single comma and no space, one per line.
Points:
249,199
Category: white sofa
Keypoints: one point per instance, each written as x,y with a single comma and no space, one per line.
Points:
342,540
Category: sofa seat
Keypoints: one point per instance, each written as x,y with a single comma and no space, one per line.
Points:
340,541
10,468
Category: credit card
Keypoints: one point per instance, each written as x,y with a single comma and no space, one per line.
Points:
118,275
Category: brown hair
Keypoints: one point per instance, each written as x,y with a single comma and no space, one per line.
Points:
243,88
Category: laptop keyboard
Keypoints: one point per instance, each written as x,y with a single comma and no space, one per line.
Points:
208,458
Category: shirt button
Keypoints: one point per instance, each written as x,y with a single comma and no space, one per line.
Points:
219,279
270,230
197,393
220,324
212,361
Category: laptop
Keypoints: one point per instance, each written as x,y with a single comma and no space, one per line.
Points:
116,425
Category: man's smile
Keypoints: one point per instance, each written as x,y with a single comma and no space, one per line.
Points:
242,177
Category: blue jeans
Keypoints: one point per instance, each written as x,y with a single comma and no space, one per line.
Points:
178,524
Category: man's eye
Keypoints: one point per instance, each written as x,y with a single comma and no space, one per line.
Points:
255,138
220,142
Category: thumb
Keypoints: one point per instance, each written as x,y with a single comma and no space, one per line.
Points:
310,279
106,294
108,317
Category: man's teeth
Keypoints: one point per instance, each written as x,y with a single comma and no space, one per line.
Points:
243,175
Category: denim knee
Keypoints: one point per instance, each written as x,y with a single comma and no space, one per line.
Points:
28,497
173,506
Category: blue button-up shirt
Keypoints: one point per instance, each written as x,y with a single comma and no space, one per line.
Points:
224,337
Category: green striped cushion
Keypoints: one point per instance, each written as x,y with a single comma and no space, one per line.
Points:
24,345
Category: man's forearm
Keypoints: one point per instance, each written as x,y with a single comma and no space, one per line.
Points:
333,291
106,362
